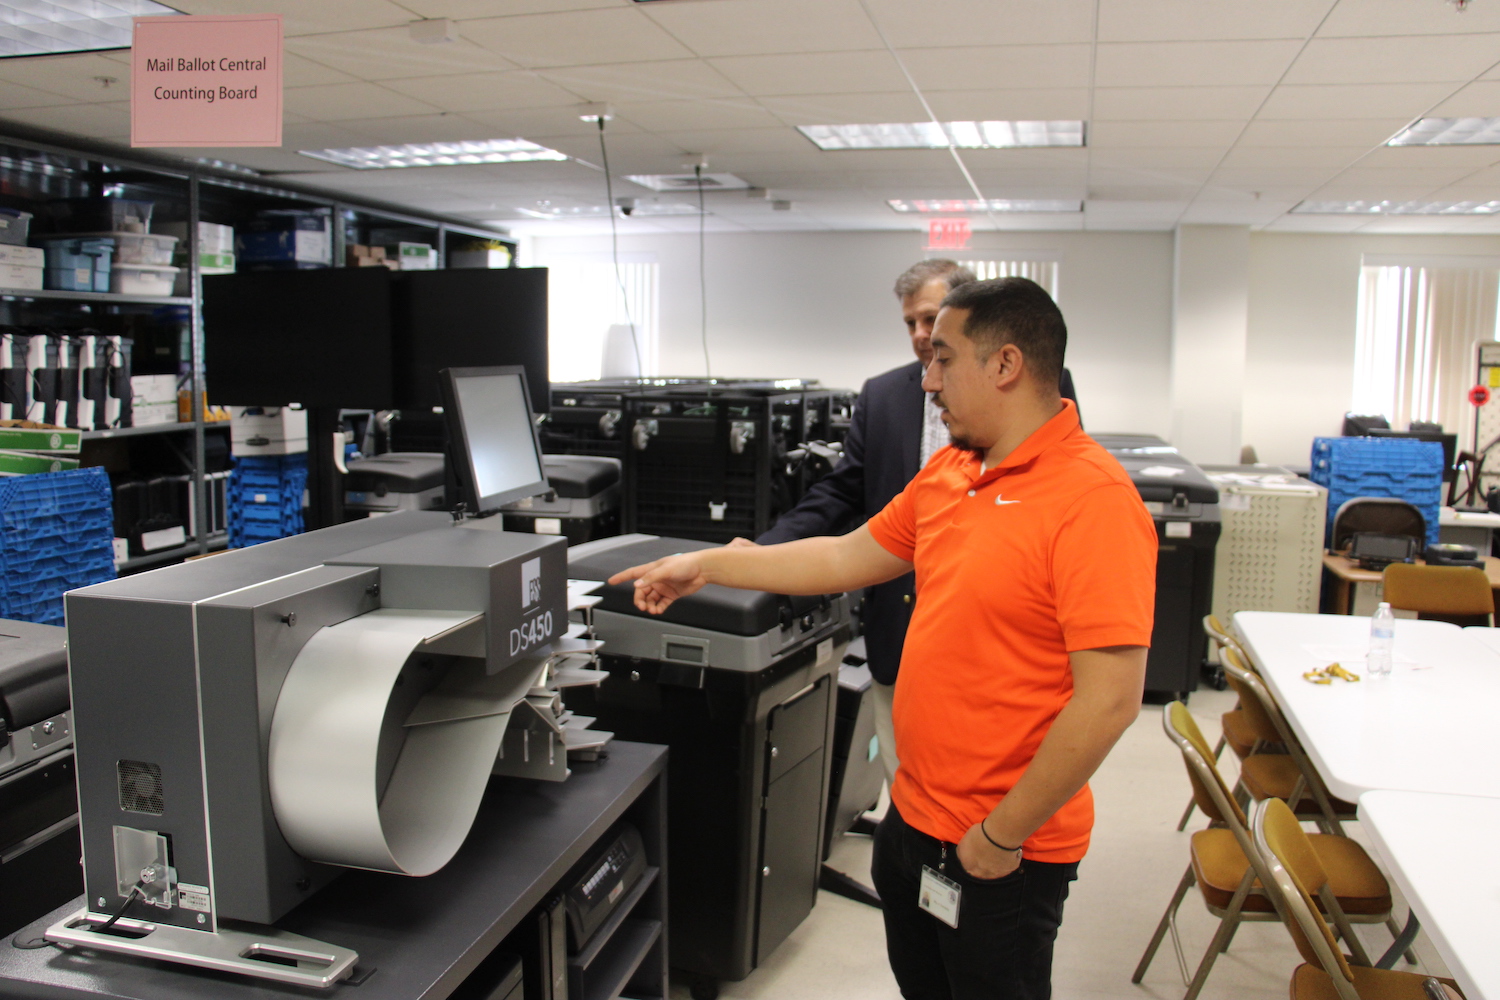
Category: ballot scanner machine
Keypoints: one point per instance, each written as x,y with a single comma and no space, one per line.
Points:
741,685
38,804
1184,503
248,726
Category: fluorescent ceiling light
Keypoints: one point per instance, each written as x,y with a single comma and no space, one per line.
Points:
1449,132
932,135
1398,208
689,182
973,205
45,27
436,154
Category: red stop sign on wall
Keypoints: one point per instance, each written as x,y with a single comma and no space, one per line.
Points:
1479,395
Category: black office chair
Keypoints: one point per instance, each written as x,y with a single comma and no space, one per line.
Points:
1385,515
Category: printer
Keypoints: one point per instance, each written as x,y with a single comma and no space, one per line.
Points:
1184,503
398,480
249,726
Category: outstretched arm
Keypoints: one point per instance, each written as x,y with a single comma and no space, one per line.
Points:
824,565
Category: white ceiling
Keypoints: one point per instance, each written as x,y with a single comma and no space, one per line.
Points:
1199,111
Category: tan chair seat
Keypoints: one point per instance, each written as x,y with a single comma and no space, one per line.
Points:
1219,864
1311,983
1274,776
1237,733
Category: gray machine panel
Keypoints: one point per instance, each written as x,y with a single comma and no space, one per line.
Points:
247,641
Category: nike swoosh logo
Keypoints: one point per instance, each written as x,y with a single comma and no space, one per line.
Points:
1001,501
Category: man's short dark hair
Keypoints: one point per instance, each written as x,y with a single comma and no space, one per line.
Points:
936,269
1014,311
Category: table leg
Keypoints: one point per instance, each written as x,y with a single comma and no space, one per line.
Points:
1402,942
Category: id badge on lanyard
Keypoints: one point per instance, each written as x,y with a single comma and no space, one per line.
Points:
940,895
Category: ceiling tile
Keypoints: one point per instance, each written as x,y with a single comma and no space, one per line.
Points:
1178,103
1420,59
298,71
1263,178
984,22
320,135
1141,192
70,75
13,95
1365,132
1431,157
1186,159
1373,100
468,9
1395,179
1188,64
847,109
822,73
1314,224
351,100
390,54
1194,20
529,122
1010,105
1163,135
1012,66
667,116
1477,100
485,91
301,17
403,129
1357,18
1327,158
97,121
767,27
747,140
679,79
575,38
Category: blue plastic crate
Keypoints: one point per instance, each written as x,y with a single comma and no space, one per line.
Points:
77,264
71,508
1402,468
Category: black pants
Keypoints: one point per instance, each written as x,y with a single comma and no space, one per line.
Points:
1002,947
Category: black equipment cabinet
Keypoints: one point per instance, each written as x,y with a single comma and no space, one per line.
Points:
455,933
1184,503
717,462
742,687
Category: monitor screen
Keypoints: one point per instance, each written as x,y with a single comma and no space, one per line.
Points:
492,437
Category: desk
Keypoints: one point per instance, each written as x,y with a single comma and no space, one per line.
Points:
1439,850
422,936
1428,727
1346,574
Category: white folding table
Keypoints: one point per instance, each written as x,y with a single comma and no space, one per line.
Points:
1440,851
1433,725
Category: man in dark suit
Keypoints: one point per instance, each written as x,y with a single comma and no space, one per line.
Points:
896,428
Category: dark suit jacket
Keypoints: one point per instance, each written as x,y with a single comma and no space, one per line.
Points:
881,455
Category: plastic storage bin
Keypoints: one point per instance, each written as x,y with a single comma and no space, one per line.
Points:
56,534
142,279
78,264
101,215
1403,468
264,499
14,225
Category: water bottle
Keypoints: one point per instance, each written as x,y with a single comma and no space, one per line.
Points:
1382,639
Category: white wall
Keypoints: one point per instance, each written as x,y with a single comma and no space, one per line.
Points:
1299,364
820,305
1210,305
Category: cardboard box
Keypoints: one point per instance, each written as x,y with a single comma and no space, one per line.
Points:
17,463
21,276
479,258
39,439
146,390
150,414
267,430
414,256
212,237
24,256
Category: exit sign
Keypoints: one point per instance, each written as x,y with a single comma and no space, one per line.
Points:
947,234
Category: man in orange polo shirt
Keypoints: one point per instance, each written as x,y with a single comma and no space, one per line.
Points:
1026,656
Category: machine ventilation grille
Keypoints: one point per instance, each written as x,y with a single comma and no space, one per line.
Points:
140,787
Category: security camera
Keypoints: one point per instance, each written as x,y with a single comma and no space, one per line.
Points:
626,205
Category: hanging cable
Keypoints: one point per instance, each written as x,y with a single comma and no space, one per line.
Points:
708,371
614,246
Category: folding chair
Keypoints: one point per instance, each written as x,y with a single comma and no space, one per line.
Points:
1236,732
1290,775
1228,871
1293,881
1457,594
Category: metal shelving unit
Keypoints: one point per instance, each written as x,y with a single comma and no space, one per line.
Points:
217,540
195,192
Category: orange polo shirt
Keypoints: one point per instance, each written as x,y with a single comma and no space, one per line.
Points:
1049,552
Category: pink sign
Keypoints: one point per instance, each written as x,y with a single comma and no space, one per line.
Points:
206,81
947,234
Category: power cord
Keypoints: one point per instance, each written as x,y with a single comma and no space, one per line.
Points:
614,243
702,272
135,891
